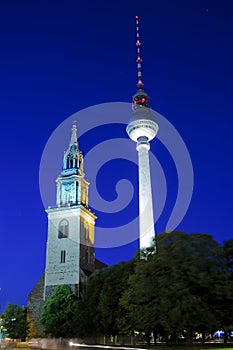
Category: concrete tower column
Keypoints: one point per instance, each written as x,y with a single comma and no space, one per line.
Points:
146,217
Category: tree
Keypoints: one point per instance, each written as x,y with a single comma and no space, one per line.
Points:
227,306
187,280
59,313
112,314
183,286
14,321
99,311
139,298
228,252
89,317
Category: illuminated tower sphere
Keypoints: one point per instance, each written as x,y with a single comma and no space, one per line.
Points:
70,245
142,128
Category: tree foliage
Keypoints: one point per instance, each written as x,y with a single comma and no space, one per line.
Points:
99,311
112,314
14,321
59,313
183,284
228,252
89,318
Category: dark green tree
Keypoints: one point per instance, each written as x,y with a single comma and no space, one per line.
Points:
227,306
228,252
89,316
112,314
59,313
188,274
99,311
14,321
139,297
183,286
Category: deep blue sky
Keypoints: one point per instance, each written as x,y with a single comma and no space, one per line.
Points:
58,57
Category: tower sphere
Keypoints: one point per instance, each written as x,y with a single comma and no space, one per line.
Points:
142,123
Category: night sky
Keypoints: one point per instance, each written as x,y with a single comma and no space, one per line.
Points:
59,57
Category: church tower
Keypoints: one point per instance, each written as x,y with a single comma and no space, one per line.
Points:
70,244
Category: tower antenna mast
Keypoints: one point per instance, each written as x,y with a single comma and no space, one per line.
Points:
139,60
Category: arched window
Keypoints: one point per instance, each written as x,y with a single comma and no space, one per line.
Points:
86,232
86,255
63,229
67,162
76,162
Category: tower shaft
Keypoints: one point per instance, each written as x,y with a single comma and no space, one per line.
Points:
146,217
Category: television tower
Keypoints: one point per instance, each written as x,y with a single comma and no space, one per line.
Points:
142,128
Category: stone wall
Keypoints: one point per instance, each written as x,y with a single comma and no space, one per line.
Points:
35,304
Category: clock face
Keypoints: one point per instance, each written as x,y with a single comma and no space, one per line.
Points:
69,187
68,192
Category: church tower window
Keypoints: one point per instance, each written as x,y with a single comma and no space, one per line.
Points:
63,256
63,229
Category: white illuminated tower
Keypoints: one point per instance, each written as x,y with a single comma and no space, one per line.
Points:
142,128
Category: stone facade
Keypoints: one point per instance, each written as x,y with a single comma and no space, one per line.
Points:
35,304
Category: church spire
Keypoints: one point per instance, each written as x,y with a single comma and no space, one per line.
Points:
74,139
73,158
140,99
